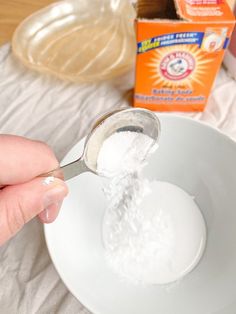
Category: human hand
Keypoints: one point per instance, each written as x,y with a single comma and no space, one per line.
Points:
25,195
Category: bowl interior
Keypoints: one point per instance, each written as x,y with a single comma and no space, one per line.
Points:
200,160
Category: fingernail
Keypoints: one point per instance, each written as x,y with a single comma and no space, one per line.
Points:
52,199
50,213
54,195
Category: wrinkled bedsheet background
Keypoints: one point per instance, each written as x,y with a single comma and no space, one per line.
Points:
59,113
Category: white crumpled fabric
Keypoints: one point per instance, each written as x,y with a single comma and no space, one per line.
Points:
60,113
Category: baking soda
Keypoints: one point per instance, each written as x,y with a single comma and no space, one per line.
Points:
123,152
153,232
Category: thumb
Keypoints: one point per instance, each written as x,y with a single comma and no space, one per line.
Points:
20,203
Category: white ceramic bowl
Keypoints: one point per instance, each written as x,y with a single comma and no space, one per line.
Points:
200,160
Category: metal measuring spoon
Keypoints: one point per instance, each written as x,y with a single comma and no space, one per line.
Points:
132,119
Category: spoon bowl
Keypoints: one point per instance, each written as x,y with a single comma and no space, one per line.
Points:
132,119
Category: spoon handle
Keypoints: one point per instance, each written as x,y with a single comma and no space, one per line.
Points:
68,171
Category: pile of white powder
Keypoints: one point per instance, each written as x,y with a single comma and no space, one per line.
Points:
135,247
153,232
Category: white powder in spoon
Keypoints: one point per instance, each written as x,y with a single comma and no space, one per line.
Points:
123,152
153,232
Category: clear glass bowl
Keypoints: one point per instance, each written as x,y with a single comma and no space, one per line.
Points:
79,40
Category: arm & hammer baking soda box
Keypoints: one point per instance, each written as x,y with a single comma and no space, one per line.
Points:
180,47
